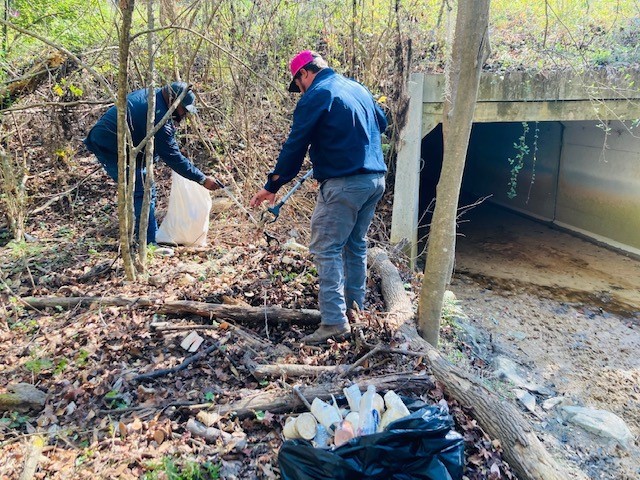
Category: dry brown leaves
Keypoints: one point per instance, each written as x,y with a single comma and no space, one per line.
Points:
101,424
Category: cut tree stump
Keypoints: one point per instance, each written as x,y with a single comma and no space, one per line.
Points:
495,415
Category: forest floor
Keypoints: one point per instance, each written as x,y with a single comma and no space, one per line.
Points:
100,422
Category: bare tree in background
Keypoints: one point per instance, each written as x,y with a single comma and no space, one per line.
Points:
126,176
148,153
470,50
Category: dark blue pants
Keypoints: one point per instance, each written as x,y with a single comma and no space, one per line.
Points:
109,161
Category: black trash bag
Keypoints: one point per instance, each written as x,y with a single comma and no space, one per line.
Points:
422,446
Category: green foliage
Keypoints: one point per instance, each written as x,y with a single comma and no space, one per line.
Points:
61,366
619,46
285,276
522,149
574,33
37,364
14,420
72,23
517,162
27,326
113,399
81,358
22,248
534,160
86,455
66,87
450,311
209,397
169,469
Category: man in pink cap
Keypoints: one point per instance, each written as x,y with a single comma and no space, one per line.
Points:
338,121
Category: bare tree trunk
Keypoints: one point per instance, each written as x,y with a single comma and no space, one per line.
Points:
470,49
148,153
125,209
13,187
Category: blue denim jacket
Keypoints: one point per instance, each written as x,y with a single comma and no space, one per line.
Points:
342,123
103,136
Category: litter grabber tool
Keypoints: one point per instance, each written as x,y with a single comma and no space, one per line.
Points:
271,214
233,198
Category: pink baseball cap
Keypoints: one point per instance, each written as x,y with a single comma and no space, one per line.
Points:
297,62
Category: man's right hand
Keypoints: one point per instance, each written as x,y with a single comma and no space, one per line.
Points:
261,196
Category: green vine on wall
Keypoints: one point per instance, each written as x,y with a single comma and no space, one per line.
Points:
517,162
533,161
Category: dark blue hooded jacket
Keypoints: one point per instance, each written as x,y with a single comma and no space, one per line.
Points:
102,139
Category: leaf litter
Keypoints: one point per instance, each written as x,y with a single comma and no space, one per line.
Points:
99,421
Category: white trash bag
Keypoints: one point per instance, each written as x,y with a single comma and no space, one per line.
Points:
187,218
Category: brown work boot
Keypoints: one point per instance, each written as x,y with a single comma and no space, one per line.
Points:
325,332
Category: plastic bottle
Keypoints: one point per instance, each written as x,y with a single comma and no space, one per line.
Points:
396,409
378,404
344,433
369,416
326,414
353,396
394,402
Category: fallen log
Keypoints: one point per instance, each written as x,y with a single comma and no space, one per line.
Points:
286,401
41,71
293,370
254,315
72,302
495,415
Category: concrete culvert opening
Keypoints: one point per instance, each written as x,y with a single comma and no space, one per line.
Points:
535,281
559,219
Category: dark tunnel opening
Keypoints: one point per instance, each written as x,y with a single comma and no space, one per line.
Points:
489,173
524,242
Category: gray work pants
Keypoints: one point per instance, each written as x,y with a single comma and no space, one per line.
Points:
339,225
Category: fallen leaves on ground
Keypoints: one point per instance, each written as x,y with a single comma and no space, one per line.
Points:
99,421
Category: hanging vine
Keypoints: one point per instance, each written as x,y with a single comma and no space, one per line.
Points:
533,161
517,162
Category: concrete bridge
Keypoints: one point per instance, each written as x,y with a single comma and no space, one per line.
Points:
580,168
